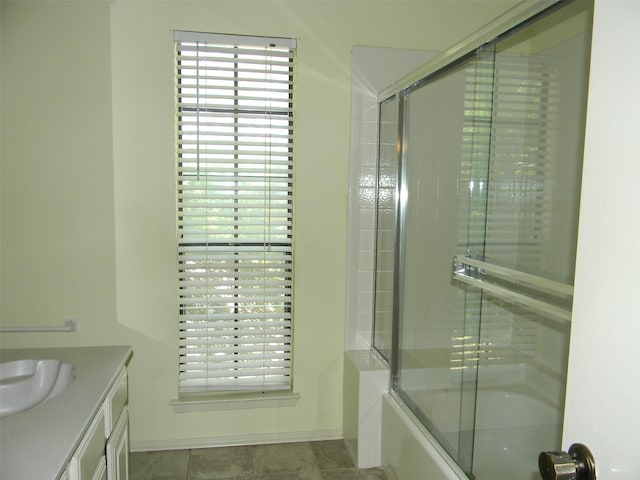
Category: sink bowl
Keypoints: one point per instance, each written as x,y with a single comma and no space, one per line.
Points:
27,383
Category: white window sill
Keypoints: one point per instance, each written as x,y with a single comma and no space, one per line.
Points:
233,401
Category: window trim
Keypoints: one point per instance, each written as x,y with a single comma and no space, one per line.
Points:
212,401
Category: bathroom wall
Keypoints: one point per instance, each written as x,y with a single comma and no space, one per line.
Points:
365,376
87,192
372,70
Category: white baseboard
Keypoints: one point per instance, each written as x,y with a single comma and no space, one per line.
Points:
234,440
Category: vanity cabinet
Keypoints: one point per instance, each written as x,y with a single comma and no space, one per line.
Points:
104,450
82,434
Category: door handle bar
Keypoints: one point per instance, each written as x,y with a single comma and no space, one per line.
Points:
462,267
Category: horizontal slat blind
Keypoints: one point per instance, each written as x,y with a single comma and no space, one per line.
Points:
522,171
507,192
508,152
235,213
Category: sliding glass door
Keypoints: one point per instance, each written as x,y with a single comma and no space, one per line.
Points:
480,206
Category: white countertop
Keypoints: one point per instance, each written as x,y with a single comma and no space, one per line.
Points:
36,444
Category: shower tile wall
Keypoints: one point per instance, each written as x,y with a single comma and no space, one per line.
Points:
372,70
366,377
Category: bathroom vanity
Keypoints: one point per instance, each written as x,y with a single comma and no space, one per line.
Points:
82,434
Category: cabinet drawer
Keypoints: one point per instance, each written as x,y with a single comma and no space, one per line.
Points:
115,402
90,453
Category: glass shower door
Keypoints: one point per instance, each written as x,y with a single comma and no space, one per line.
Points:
434,372
488,198
526,268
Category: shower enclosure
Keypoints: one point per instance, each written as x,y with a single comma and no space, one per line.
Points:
479,171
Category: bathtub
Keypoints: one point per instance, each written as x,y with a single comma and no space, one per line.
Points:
512,426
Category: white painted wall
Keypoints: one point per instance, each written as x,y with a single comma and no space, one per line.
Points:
87,193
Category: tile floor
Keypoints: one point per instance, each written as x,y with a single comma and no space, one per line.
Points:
327,460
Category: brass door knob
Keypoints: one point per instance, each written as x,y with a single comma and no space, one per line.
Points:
577,464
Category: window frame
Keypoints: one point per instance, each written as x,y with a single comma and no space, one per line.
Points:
248,239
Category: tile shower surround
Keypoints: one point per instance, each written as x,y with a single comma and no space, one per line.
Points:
326,460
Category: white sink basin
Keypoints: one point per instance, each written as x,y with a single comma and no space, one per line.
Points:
27,383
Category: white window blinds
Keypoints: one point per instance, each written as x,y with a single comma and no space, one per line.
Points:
234,109
507,183
508,166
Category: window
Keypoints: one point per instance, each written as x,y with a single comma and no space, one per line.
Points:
234,114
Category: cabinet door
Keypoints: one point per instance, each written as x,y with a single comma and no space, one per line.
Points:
90,453
118,449
101,471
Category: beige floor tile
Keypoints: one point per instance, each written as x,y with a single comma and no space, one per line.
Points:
331,455
221,463
353,474
371,474
284,458
327,460
161,465
306,475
